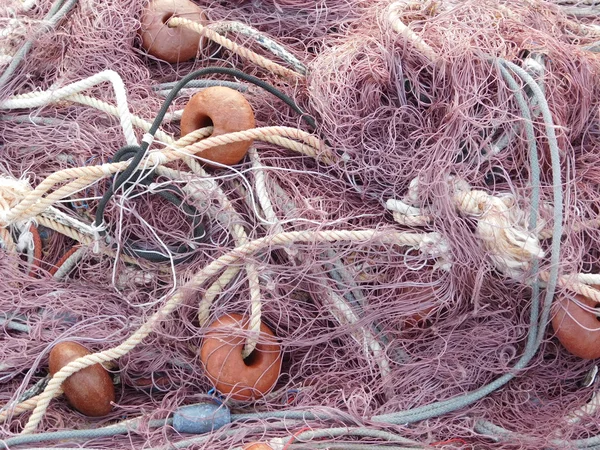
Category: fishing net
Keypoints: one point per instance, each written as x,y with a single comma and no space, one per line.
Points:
419,202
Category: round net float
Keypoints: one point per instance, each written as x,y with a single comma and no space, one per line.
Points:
257,446
227,111
232,375
169,43
577,329
90,391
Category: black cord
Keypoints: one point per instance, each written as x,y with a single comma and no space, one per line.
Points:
156,255
173,195
137,153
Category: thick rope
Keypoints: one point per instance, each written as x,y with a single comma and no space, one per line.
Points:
24,406
257,59
37,99
267,208
318,151
399,27
33,203
262,194
508,244
211,270
265,41
213,291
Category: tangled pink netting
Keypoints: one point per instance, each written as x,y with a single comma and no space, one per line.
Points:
392,116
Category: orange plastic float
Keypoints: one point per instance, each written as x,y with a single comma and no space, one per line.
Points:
90,391
577,329
257,446
163,42
227,111
221,355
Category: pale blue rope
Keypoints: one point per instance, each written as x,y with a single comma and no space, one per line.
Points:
58,10
535,333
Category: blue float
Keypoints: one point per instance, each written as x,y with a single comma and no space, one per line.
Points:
201,418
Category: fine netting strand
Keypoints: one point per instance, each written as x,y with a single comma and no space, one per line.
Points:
418,203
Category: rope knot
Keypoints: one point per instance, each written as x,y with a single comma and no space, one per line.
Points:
500,225
12,191
473,203
434,245
508,243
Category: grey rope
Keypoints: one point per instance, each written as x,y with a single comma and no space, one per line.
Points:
58,10
78,434
358,431
506,138
12,325
535,333
164,88
498,434
262,40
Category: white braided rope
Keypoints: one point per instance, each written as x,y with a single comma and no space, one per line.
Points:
510,246
407,215
267,208
71,222
260,187
578,284
257,59
589,278
259,133
33,203
393,15
61,228
69,264
316,149
194,136
311,146
500,227
213,291
265,41
389,237
42,98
